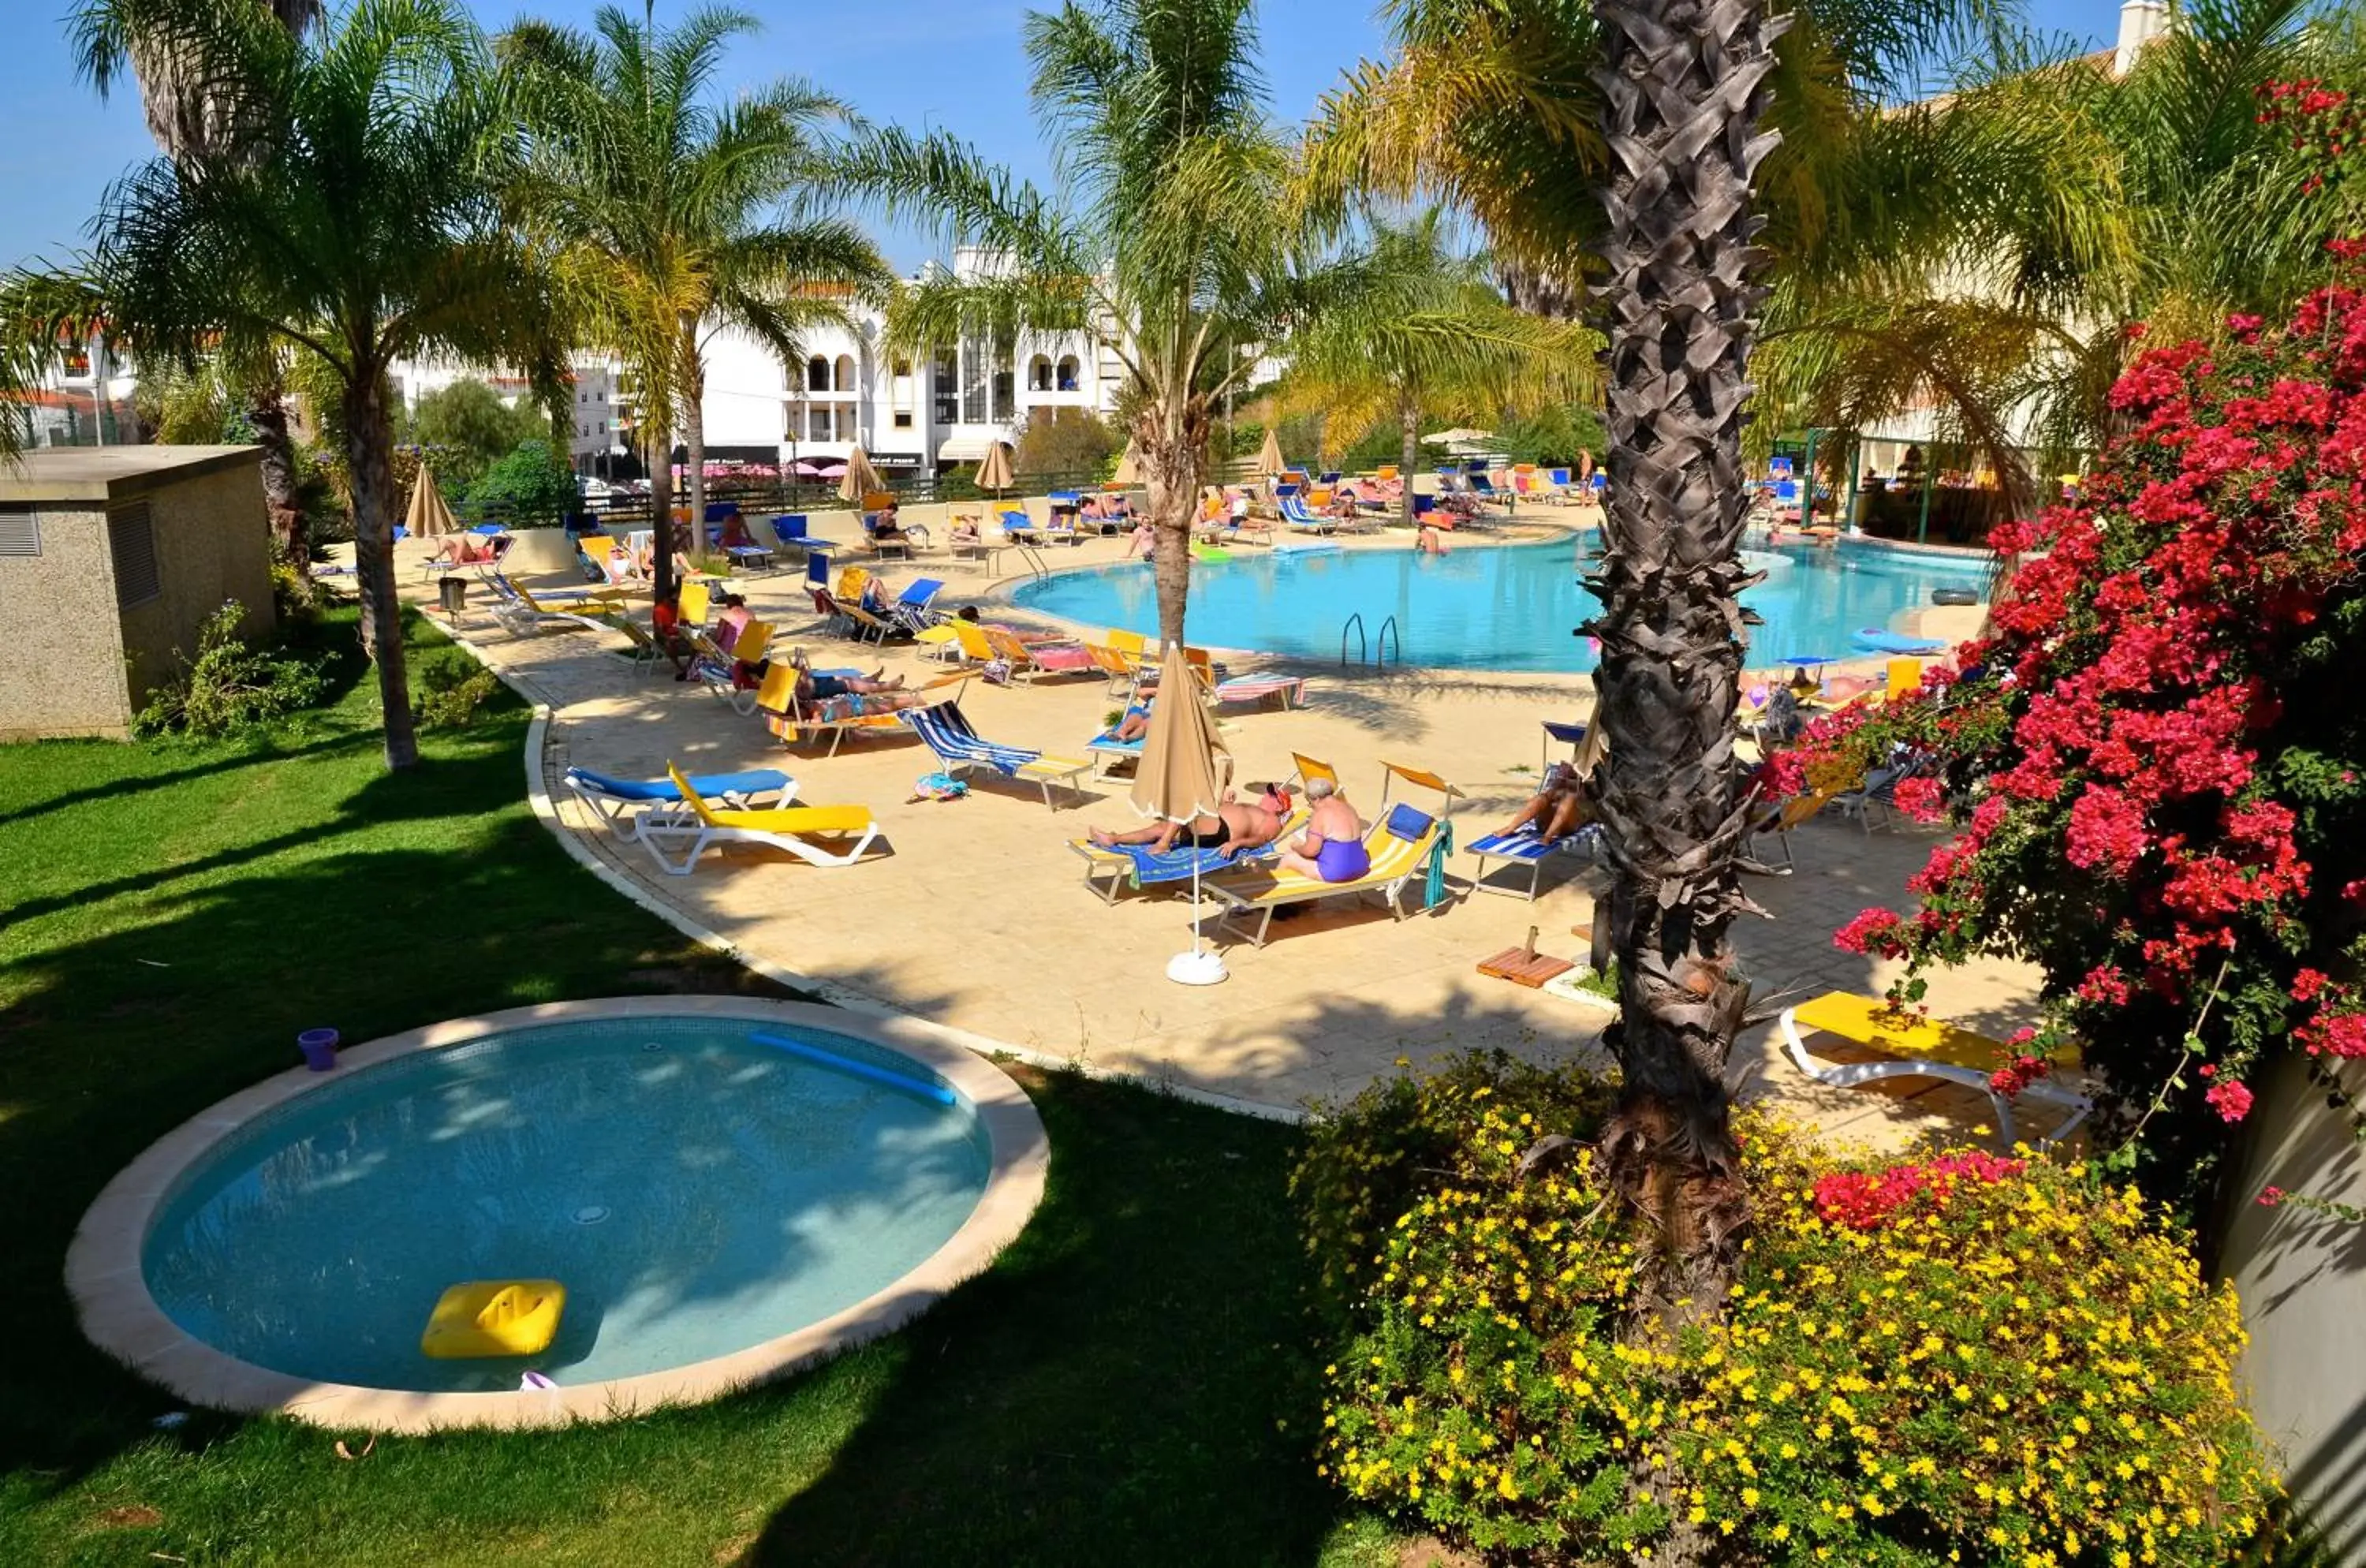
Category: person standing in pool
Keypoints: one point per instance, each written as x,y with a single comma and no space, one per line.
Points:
1332,848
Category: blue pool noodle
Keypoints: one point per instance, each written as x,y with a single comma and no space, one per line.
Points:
814,1054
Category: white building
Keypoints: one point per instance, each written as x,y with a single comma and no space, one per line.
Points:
594,389
912,414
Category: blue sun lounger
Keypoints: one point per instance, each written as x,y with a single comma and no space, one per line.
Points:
1140,868
948,732
1873,640
1523,848
625,803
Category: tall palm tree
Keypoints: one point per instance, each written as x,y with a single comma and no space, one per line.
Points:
1412,329
187,116
1163,242
1683,88
662,212
352,216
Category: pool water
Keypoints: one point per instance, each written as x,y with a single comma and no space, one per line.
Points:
696,1192
1504,607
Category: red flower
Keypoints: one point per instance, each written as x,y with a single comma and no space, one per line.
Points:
2230,1099
2271,1197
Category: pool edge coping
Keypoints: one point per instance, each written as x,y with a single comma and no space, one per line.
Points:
116,1312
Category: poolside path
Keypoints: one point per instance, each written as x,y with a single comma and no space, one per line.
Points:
979,917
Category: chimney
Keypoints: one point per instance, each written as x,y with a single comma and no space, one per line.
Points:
2141,21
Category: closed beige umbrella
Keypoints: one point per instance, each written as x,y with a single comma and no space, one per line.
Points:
428,517
1179,779
1129,468
994,474
1270,458
861,479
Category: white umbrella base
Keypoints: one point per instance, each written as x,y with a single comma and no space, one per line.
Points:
1205,967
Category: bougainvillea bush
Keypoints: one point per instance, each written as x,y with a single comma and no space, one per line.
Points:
2157,757
1973,1358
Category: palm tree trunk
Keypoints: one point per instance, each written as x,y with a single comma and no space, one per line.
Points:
369,459
1408,457
1174,453
266,415
1678,252
662,583
693,426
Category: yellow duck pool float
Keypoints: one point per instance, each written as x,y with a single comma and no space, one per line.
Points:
494,1317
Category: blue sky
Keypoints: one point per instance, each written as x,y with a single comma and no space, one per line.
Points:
949,65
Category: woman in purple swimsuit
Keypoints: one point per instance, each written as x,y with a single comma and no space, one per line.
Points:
1332,848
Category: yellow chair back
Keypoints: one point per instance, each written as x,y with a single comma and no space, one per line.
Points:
876,500
973,643
695,601
1132,644
754,639
690,797
1904,674
1308,770
779,688
1387,472
851,583
595,545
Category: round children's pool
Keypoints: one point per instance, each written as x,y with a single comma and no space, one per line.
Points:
706,1186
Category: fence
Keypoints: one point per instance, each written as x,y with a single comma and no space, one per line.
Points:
622,513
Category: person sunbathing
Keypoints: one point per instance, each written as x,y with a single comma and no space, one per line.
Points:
813,688
1332,848
466,550
1132,723
1556,810
1235,824
965,531
735,536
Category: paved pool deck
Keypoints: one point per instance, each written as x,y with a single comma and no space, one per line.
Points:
975,913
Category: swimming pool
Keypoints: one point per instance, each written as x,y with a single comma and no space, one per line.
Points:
1507,607
700,1184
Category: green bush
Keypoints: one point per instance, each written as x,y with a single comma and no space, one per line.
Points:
229,686
1064,441
466,429
529,486
450,692
1958,1360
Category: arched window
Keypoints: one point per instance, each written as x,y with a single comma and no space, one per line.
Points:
1039,375
1067,373
817,374
846,372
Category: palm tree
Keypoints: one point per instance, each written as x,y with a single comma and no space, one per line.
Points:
186,116
350,216
1167,246
654,207
1413,330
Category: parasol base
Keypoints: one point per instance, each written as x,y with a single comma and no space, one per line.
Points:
1205,967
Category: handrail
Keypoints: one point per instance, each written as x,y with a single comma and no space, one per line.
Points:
1363,645
1389,629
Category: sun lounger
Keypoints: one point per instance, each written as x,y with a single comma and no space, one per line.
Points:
790,828
1300,520
1524,848
792,723
1107,871
1030,659
1398,844
625,803
948,732
913,609
1124,674
1873,640
1915,1046
520,614
1291,689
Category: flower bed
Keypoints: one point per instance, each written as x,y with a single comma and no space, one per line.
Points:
1964,1359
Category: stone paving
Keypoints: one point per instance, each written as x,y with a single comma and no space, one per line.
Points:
976,913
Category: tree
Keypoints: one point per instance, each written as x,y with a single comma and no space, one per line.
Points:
473,428
188,115
1167,246
350,215
655,208
531,484
1684,87
1415,330
1063,441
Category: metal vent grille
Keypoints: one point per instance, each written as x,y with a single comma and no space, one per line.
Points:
131,536
20,534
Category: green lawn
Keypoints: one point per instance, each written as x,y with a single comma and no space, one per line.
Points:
1124,1387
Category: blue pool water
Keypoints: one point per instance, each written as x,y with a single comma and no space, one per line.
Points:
1509,607
695,1192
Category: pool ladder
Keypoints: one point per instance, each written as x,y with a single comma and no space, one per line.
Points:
1389,636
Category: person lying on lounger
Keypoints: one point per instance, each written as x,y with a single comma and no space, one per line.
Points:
466,550
813,688
1332,848
1235,824
1557,810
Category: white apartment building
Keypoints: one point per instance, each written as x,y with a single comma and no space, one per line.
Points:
594,389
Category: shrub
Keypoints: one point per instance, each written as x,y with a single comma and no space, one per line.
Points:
1064,441
229,686
450,692
1957,1359
528,486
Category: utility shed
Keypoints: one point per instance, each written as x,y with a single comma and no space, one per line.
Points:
110,560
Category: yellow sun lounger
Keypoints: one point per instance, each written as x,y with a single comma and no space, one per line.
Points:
1918,1047
1398,845
790,828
